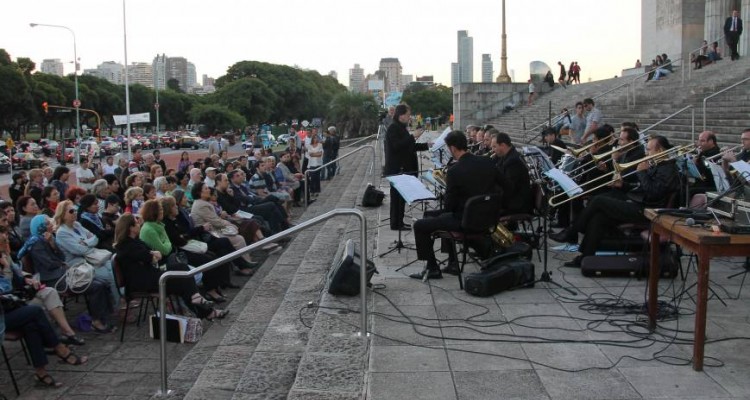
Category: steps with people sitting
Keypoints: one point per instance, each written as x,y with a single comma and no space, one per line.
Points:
727,114
274,339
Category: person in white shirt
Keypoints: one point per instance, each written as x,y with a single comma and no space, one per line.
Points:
84,176
210,180
109,166
314,156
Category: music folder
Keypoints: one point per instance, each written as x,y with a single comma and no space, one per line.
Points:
410,188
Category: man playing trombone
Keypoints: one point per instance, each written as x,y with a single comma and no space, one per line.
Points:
729,156
629,149
658,181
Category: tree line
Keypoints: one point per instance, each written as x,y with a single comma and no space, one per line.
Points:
251,93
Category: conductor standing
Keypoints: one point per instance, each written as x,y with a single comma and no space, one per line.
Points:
401,158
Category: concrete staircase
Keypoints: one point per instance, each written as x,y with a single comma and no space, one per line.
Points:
280,341
727,114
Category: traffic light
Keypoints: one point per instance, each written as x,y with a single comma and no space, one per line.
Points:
45,107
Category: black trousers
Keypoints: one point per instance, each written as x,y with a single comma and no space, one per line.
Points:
435,220
398,205
270,212
602,213
214,278
37,331
733,40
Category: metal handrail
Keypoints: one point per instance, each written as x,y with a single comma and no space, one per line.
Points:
719,40
359,141
667,118
718,93
238,253
632,81
307,177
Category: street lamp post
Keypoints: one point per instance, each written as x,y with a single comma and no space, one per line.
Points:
75,79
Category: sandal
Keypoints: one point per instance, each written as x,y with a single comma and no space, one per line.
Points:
72,339
198,300
217,314
48,381
215,299
76,359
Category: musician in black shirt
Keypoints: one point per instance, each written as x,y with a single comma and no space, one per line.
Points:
401,158
470,176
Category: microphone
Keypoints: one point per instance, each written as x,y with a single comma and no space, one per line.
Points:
690,222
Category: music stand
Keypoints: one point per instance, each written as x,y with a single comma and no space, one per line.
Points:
411,190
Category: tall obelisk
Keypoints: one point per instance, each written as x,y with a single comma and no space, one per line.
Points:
503,77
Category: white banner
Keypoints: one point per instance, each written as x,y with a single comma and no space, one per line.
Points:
134,118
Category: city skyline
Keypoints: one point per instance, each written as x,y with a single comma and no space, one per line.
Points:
310,36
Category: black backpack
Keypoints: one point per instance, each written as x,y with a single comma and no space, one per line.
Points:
372,197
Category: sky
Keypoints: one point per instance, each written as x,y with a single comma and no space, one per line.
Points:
604,36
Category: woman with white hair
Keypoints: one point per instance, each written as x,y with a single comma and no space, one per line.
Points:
195,176
100,189
160,184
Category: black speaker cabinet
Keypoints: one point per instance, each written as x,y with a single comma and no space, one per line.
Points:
343,278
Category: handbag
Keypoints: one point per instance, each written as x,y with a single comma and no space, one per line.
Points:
177,261
195,246
78,278
98,257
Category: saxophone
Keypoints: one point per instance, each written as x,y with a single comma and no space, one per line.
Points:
502,236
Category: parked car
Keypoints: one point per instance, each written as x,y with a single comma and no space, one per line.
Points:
283,138
184,142
27,160
49,147
110,147
4,163
164,140
90,149
145,142
70,154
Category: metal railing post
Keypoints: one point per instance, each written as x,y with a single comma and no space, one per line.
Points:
705,100
692,124
307,177
164,390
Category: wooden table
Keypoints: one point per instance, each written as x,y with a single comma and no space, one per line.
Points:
705,244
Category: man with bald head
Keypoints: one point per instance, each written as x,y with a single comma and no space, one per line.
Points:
707,148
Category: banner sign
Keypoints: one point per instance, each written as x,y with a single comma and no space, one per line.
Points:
134,118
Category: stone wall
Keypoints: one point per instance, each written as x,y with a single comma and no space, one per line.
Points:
674,27
476,103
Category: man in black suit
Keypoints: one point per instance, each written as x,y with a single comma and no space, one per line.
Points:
732,31
513,175
470,176
401,158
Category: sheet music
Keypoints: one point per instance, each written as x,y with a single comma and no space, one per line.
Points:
720,178
568,185
410,188
692,169
743,168
440,141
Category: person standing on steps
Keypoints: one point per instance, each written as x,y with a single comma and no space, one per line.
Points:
732,31
532,90
401,158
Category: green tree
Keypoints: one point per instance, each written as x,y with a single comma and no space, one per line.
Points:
430,101
216,117
250,97
15,101
355,114
174,84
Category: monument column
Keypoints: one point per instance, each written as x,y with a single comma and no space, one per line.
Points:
744,46
716,12
503,77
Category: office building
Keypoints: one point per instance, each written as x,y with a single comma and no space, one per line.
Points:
141,73
391,68
52,66
356,79
486,68
465,57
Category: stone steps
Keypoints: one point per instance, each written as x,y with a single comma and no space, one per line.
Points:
727,114
258,353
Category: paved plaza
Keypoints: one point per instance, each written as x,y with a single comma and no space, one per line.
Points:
287,338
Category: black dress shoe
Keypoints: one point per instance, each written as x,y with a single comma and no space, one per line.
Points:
451,269
405,225
574,263
430,274
567,235
401,228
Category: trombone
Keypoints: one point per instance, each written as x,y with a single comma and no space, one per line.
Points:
577,152
596,158
723,153
616,174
